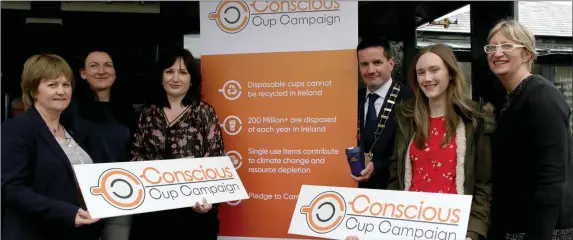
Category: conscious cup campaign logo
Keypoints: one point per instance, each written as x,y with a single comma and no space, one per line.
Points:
125,190
120,188
325,212
368,214
231,16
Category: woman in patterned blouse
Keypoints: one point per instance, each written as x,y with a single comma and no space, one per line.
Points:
441,145
178,125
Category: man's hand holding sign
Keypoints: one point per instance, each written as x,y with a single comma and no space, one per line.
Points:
117,189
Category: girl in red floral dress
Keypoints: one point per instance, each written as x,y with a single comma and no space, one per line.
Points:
442,142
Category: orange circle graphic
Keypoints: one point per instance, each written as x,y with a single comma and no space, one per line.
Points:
339,208
224,23
106,193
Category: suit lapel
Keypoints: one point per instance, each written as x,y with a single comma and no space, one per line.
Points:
386,99
50,140
361,101
390,123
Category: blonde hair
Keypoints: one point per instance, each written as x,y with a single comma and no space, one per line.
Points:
516,32
457,103
42,67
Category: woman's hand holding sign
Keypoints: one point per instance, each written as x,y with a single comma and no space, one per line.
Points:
202,208
84,218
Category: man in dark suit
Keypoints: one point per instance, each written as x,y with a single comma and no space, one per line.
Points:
376,102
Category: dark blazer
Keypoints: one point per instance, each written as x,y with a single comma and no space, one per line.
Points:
38,185
532,164
383,148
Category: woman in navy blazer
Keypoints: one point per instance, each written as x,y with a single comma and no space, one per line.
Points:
39,190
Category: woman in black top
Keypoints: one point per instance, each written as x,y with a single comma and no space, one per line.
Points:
98,111
531,148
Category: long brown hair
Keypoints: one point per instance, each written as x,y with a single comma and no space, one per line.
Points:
457,101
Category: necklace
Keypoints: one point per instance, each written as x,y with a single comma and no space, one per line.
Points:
56,130
72,151
53,130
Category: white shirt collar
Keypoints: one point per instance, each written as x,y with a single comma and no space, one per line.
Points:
382,90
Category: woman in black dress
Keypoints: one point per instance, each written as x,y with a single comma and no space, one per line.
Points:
98,111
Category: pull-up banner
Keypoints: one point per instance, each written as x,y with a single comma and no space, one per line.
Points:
282,76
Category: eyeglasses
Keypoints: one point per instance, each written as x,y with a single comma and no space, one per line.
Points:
505,47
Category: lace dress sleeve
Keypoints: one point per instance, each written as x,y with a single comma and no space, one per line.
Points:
211,132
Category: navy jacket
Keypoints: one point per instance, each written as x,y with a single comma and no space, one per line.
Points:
38,185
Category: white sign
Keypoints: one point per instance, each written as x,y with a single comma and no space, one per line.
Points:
335,212
117,189
234,26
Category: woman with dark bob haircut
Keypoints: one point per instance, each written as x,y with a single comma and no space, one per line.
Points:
177,125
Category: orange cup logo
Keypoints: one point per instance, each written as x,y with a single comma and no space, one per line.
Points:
325,212
120,188
231,16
